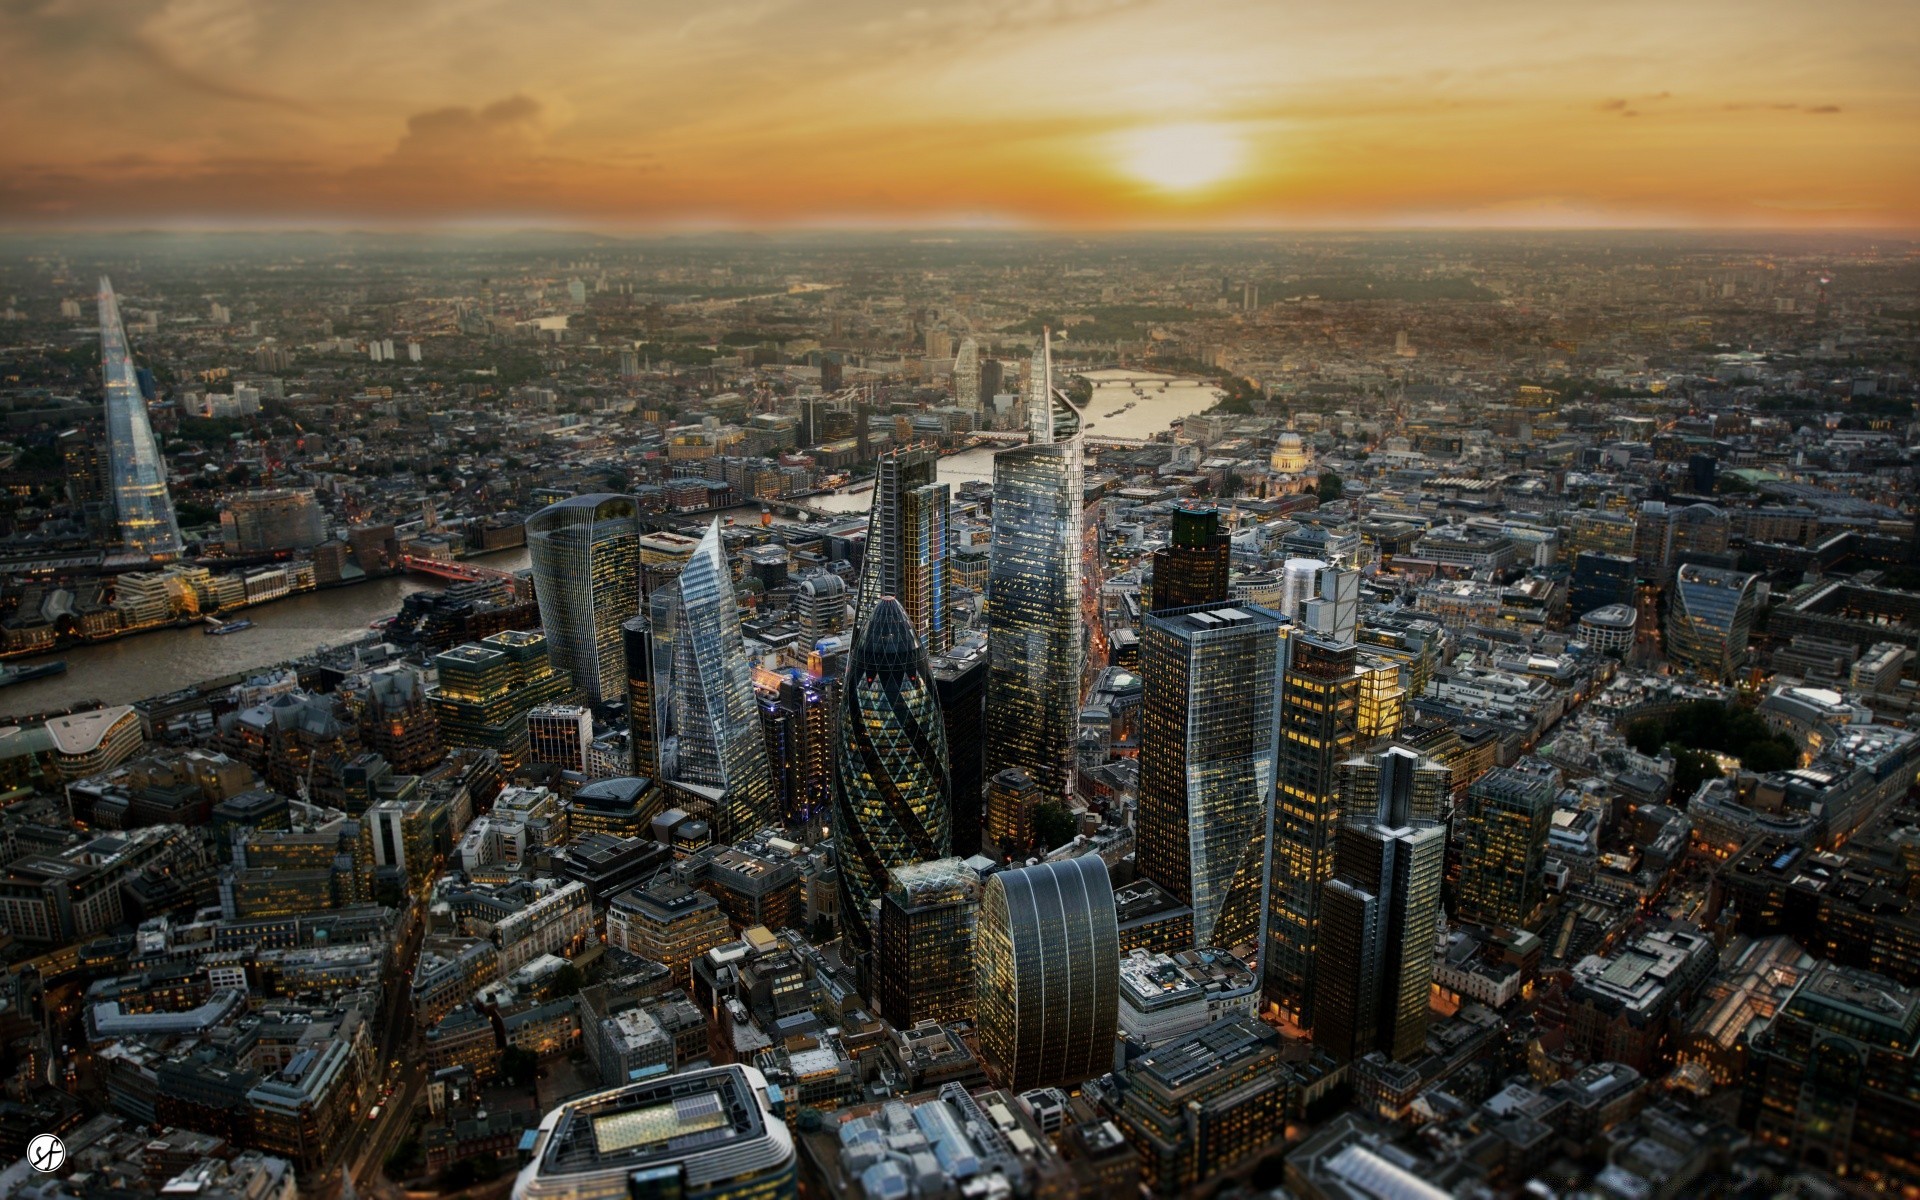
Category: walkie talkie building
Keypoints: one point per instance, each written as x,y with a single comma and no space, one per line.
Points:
139,474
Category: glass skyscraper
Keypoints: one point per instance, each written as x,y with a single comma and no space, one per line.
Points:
1318,730
1377,916
721,752
1047,974
1035,636
1209,724
643,690
1193,568
138,473
1503,829
906,554
1710,619
586,574
891,806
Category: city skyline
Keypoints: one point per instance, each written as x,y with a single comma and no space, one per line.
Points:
1128,115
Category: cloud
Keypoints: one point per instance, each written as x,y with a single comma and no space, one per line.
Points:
1823,108
1612,105
509,127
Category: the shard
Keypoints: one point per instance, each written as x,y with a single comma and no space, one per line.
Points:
139,474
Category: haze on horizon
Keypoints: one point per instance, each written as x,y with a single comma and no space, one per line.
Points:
1073,114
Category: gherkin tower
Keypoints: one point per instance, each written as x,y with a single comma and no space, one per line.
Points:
890,791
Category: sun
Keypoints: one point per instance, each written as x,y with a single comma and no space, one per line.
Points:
1181,158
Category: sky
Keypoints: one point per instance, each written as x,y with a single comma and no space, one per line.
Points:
1094,114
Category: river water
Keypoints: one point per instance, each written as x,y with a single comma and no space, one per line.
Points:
152,664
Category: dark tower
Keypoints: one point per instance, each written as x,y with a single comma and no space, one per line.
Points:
1193,570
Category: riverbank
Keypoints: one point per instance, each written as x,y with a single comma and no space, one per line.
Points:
159,661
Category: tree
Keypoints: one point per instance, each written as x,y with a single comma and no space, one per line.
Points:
518,1067
403,1157
1053,824
1331,486
1691,768
459,1175
568,981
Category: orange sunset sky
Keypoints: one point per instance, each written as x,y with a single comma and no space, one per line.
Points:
645,114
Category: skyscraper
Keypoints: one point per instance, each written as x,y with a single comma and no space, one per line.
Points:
960,679
1710,619
1193,568
906,555
890,798
721,751
643,697
586,574
1036,636
796,711
1318,728
1377,917
966,375
137,472
820,607
1503,828
1210,720
1047,974
923,948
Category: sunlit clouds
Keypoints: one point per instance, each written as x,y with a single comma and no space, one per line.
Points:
1048,113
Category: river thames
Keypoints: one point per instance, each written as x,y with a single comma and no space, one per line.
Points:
152,664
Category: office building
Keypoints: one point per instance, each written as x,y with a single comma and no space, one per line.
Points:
923,946
1208,747
1502,828
890,798
1834,1078
488,687
1318,731
1007,827
137,473
1036,634
1600,579
270,519
1609,629
1378,914
1047,973
966,375
1192,569
906,554
645,700
797,713
820,607
1204,1104
722,752
1710,618
706,1134
560,734
586,574
960,681
668,922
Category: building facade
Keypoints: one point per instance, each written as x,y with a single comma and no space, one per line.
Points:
1209,734
1047,973
586,573
891,805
